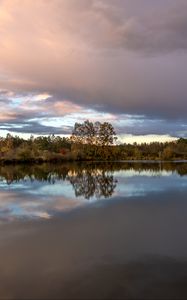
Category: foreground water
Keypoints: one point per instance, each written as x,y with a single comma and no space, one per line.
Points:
93,231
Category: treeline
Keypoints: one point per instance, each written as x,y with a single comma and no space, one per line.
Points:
176,150
39,149
55,148
89,141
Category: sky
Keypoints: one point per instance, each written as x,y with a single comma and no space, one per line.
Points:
121,61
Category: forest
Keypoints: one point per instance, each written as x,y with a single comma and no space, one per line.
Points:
88,142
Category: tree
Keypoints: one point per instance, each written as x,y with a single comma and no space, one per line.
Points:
84,133
167,153
93,133
107,134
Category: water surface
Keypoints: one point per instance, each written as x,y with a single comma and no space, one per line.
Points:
93,230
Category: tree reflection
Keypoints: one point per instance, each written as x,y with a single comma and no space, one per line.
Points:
89,179
90,183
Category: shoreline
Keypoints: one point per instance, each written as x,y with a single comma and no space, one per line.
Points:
40,161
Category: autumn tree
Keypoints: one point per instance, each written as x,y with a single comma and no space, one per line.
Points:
106,134
84,133
90,133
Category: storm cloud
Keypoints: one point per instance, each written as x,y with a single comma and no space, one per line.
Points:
114,57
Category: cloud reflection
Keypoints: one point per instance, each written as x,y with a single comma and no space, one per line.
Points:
44,191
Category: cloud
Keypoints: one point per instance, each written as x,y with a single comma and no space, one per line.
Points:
62,122
33,127
115,56
65,107
144,126
130,139
162,30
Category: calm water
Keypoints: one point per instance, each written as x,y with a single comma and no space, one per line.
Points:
93,231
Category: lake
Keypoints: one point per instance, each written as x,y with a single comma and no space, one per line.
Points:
93,231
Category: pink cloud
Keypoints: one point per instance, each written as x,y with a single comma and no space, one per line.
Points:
66,107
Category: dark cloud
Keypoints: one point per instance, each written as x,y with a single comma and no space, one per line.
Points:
124,124
154,127
33,128
161,30
116,56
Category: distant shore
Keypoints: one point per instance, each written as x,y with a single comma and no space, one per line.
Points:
54,149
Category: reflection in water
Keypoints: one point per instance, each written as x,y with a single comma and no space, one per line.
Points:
128,250
41,191
50,172
92,182
134,248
